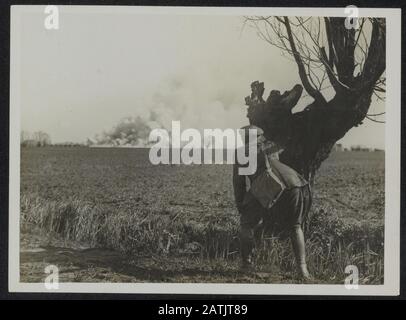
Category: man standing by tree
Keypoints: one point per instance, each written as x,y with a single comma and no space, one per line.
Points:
352,60
282,204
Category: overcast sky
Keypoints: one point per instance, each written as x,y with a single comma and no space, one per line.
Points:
98,68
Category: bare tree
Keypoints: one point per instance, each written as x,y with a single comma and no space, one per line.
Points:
41,138
25,135
340,69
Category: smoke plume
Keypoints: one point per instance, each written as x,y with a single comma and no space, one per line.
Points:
195,98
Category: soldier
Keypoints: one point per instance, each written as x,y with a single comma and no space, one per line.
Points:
282,207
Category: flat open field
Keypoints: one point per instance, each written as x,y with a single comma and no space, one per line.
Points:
109,215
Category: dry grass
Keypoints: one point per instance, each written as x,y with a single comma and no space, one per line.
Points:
163,234
120,201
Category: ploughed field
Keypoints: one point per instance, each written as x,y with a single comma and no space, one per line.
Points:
108,214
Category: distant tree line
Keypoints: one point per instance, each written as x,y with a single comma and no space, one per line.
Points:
43,139
36,139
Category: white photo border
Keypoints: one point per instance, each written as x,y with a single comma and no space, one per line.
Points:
392,162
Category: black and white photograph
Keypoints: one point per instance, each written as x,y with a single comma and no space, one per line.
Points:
204,150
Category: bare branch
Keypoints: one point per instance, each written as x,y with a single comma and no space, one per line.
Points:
376,114
302,71
349,51
373,120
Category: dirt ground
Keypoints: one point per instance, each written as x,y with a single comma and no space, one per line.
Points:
77,263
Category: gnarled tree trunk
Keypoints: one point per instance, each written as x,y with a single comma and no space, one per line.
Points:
307,137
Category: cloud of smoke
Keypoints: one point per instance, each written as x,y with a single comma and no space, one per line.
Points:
196,98
129,132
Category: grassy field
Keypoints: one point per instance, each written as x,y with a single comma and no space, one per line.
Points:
179,223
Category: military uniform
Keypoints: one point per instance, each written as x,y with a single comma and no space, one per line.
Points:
288,211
